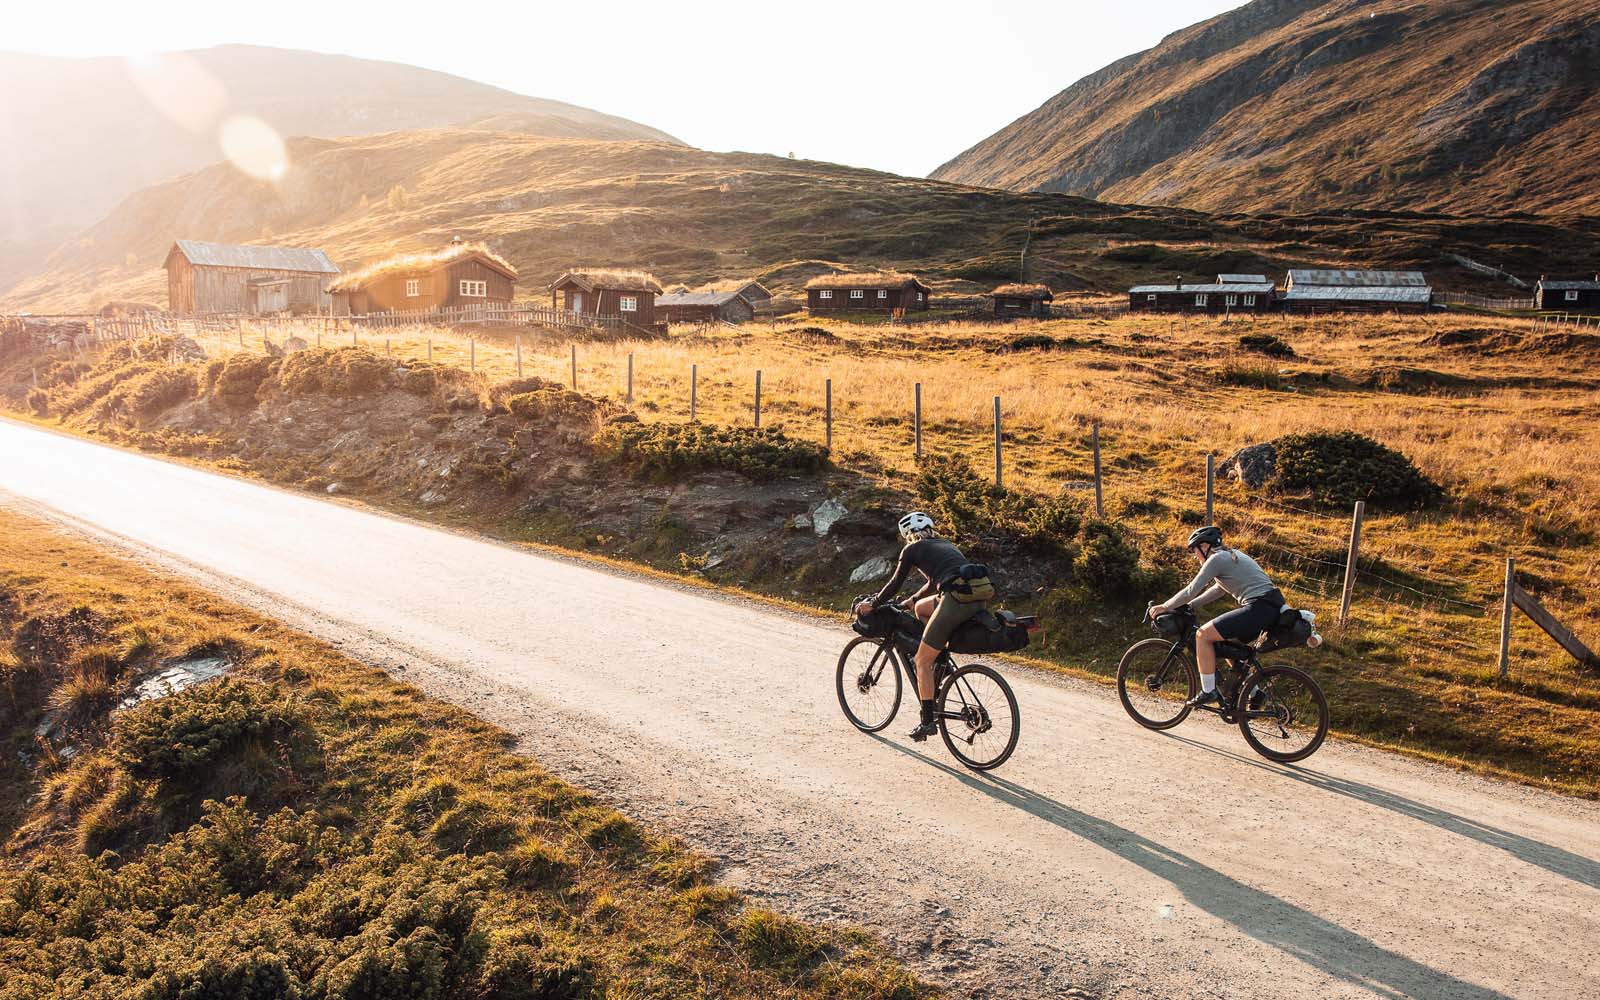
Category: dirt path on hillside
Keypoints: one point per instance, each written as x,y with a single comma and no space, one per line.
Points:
1101,858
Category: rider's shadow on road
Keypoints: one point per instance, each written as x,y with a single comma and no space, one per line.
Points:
1552,859
1304,935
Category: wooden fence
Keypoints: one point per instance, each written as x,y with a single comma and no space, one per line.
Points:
1510,304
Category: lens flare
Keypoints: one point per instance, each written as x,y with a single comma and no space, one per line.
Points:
180,88
254,147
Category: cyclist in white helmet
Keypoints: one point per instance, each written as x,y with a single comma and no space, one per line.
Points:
935,602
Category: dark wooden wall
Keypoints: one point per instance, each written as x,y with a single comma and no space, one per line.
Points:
608,302
1555,300
1184,301
895,298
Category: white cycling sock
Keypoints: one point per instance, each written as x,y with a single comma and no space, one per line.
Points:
1208,683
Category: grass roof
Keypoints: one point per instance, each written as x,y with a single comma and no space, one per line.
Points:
414,263
1024,291
865,279
612,278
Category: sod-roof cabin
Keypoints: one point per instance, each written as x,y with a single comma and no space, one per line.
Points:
866,291
629,296
460,275
1022,300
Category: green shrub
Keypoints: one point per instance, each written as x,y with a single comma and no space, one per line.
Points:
1343,467
969,508
1266,343
344,372
1033,342
1107,561
239,379
159,390
667,451
1250,376
181,736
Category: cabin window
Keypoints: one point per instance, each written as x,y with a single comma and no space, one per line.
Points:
883,293
1572,296
413,287
1233,300
1201,299
857,293
825,294
1249,300
921,297
1151,297
629,303
474,289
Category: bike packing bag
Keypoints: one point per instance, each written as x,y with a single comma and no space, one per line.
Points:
1292,629
989,633
971,584
881,623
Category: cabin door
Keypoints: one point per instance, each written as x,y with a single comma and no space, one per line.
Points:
272,298
577,302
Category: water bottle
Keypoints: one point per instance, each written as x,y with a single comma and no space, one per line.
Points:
1314,641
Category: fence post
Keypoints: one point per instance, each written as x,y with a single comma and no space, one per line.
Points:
827,413
998,479
241,337
630,378
1505,619
1099,490
758,397
430,348
916,422
519,355
1211,487
574,367
354,336
694,389
472,354
387,352
1350,561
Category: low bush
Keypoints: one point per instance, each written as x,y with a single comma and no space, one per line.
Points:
157,391
666,451
236,383
183,735
1266,343
1343,467
1107,561
1033,342
1250,376
973,510
344,372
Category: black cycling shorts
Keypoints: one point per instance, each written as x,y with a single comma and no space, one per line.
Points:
1243,624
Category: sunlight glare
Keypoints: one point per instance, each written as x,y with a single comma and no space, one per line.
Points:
178,86
254,147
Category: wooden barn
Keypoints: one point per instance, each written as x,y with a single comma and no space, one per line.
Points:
1338,290
869,291
1011,301
229,278
704,307
1567,296
460,275
1213,298
754,292
626,295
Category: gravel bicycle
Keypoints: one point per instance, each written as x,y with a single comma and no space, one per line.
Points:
977,717
1281,710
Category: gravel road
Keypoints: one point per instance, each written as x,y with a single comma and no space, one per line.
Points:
1102,860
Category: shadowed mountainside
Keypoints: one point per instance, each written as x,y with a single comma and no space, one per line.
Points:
1460,106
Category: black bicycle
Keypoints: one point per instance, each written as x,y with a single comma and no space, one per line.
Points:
1281,710
977,712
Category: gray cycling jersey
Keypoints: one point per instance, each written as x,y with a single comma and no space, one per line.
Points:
1227,571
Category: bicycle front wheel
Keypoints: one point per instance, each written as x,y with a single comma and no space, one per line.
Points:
978,717
1283,714
1155,682
868,683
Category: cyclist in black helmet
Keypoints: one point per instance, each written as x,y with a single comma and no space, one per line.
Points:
936,602
1224,571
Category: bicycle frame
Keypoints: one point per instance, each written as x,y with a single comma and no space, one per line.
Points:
941,666
1246,665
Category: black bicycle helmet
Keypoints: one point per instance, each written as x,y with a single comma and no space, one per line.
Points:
1209,535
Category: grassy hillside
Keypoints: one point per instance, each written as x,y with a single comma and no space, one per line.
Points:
307,827
1495,412
1460,106
547,204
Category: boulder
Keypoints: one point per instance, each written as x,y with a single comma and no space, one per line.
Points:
294,344
824,516
186,349
875,568
1252,465
863,524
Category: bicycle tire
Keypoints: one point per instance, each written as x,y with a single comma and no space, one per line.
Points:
958,683
1128,666
892,666
1311,687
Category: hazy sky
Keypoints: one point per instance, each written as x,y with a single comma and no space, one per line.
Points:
899,86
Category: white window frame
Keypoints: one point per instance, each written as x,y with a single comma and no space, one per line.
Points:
628,303
413,287
858,293
1249,300
1572,295
1233,300
921,297
1150,297
883,293
471,289
826,293
1200,299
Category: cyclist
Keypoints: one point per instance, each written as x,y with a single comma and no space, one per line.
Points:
1223,570
953,592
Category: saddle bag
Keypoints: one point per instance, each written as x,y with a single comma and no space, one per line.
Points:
991,632
1294,628
971,584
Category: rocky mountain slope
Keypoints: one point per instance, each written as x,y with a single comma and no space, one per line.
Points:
112,126
1482,107
688,215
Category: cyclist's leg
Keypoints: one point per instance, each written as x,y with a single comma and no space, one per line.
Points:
1205,655
924,608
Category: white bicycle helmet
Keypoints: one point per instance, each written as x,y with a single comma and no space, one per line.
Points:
915,525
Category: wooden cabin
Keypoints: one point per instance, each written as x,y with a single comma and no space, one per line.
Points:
754,292
1220,297
1338,290
1012,301
1567,296
230,278
461,275
869,291
629,296
704,307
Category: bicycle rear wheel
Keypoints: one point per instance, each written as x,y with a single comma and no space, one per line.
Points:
868,683
1289,720
1155,682
978,720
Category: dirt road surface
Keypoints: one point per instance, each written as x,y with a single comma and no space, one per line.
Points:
1102,858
